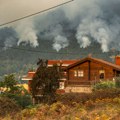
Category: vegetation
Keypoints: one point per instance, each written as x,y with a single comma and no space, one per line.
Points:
19,61
102,104
8,106
118,82
100,109
9,83
70,98
22,100
45,82
104,85
14,92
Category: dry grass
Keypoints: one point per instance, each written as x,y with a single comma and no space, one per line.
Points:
101,105
105,109
8,107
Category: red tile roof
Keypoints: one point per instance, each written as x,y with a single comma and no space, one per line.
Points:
30,74
64,62
71,63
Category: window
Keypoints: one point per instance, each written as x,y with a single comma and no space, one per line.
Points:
102,74
61,85
80,73
75,73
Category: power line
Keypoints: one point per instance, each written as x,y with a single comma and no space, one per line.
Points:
36,51
35,13
46,52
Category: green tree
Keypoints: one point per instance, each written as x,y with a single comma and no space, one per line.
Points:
104,85
15,92
10,82
45,81
1,86
117,81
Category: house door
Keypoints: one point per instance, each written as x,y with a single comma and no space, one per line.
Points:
102,74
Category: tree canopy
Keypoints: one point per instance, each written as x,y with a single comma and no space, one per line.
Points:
9,83
46,80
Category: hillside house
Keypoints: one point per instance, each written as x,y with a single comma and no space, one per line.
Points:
84,72
64,64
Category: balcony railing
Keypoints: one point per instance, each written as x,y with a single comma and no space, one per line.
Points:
85,82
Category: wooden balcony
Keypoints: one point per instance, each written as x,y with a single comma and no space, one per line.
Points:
85,82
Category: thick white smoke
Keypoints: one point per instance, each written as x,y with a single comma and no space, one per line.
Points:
96,29
26,33
9,42
93,20
60,42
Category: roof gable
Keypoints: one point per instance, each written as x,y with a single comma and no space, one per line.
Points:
117,67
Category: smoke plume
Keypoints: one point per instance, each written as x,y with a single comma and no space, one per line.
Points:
60,42
98,22
26,33
93,20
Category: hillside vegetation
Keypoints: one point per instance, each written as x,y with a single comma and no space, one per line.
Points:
19,59
99,105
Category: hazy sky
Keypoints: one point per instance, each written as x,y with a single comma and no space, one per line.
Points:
13,9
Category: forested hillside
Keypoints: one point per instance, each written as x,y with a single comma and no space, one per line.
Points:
19,59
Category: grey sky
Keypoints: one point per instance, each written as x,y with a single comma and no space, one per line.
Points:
12,9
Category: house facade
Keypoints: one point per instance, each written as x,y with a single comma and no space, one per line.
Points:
83,72
90,70
63,63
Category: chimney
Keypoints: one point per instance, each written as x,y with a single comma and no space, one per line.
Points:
90,55
117,60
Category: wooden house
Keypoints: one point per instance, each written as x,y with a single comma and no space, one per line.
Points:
64,64
83,72
90,70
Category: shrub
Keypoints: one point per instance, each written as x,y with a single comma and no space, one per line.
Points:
118,82
8,106
21,100
107,93
104,85
70,98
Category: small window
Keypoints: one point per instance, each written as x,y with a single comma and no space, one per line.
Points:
80,73
102,74
75,73
61,85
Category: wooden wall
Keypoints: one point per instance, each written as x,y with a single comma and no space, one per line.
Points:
91,71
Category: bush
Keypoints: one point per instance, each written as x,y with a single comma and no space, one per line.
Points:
21,100
71,98
8,106
104,85
118,82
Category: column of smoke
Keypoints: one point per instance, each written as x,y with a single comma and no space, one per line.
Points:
94,21
60,41
26,33
98,25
